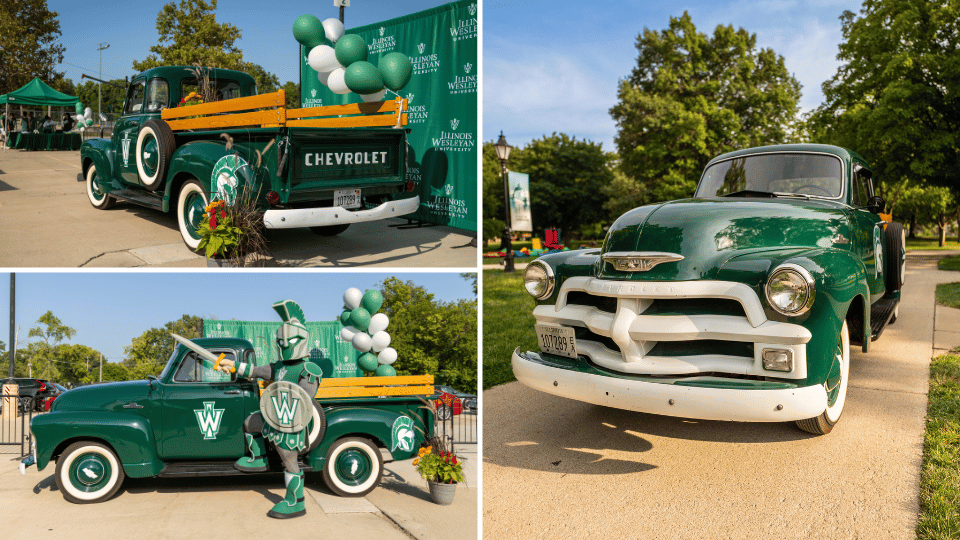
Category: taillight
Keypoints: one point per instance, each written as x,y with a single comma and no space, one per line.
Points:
410,185
273,198
43,387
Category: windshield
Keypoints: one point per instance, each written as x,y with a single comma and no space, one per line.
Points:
816,175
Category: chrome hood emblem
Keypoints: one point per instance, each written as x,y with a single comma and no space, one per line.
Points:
638,261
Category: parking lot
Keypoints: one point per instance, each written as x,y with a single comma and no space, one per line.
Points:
46,220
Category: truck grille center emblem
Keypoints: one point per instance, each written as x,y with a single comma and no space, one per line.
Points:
638,261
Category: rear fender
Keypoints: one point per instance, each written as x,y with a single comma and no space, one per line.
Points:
374,424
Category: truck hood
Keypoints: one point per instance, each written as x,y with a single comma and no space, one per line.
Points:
102,397
709,232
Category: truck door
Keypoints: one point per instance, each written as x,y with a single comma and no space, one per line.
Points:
125,132
870,227
203,412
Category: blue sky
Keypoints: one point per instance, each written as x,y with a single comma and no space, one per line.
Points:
108,310
267,36
554,65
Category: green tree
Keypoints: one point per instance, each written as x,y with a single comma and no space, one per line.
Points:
292,92
929,205
190,35
111,96
77,363
893,99
42,359
492,193
148,353
29,43
566,182
431,337
52,331
692,97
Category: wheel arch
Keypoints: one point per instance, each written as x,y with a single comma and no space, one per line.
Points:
374,425
193,160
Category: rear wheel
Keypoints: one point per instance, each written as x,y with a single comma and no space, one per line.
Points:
329,230
98,197
88,472
190,206
836,387
896,262
353,467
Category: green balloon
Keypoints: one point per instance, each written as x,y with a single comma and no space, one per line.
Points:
360,319
90,122
397,69
345,318
363,78
79,108
368,362
349,49
308,30
372,300
386,371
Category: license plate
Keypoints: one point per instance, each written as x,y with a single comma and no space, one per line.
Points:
346,198
557,340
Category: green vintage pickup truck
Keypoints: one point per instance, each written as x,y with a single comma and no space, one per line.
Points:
738,304
321,167
189,422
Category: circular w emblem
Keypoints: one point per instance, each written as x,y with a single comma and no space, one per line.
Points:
286,407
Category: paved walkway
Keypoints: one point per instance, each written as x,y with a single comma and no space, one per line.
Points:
557,468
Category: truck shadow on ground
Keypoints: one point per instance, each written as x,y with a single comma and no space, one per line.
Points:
398,484
258,483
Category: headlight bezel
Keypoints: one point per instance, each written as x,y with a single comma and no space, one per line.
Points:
807,281
549,279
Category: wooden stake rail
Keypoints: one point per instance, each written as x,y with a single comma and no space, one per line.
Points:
411,385
267,110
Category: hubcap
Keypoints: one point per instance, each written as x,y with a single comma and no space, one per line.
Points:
193,213
353,467
95,187
835,377
90,472
150,155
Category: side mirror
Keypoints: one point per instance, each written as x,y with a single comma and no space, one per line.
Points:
875,204
152,380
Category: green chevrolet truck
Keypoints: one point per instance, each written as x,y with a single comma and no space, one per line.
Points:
322,168
188,421
740,303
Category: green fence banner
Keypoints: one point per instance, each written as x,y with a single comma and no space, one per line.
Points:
336,357
442,45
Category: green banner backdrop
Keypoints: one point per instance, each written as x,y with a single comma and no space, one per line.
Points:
336,357
442,45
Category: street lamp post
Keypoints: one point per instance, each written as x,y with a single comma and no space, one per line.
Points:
101,47
503,152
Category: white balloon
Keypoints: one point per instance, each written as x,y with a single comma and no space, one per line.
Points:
381,340
88,112
352,298
378,323
369,98
347,333
332,29
323,58
323,77
336,82
362,342
387,356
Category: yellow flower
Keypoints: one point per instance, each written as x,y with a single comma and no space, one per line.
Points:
425,451
416,461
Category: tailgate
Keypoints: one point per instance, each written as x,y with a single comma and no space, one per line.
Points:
322,160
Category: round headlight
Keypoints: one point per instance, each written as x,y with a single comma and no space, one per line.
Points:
790,290
538,280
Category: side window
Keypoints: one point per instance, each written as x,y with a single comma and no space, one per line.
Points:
862,190
158,95
192,369
135,98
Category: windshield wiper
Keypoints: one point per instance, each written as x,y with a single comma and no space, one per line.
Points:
751,193
801,195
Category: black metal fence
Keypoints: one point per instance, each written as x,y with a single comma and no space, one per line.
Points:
457,425
15,424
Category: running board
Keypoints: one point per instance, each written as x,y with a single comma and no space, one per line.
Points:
150,200
880,314
181,469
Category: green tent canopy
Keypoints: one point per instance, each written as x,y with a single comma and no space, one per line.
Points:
37,93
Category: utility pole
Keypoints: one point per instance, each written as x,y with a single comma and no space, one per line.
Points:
341,4
101,367
102,46
13,316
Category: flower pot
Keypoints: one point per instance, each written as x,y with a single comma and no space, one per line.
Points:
220,263
442,493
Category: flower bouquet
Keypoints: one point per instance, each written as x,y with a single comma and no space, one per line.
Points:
442,471
219,237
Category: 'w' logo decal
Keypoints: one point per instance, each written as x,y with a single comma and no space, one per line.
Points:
286,408
208,419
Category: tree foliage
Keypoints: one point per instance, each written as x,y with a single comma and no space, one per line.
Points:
29,44
692,97
190,35
430,336
895,98
111,96
148,353
292,92
52,331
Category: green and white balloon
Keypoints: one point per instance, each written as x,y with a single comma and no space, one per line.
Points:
368,362
387,356
347,333
308,30
378,323
380,340
323,59
384,370
352,298
363,78
362,342
345,317
351,48
360,319
366,332
396,69
336,83
372,300
333,29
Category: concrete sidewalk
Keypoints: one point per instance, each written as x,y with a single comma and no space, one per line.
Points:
566,469
46,220
234,507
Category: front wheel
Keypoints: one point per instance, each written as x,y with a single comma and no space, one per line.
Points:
836,387
190,206
88,472
98,197
353,467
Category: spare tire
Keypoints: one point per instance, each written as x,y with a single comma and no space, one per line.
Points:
155,144
896,262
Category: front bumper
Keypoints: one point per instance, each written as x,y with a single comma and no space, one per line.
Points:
680,398
320,217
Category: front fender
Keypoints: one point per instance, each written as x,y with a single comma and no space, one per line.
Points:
129,435
375,424
100,153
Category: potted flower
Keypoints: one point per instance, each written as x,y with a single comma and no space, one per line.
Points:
442,471
219,237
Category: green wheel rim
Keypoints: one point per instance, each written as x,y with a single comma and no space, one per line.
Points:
95,188
150,155
193,213
90,472
353,467
836,374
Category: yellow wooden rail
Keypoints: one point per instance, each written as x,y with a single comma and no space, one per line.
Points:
411,385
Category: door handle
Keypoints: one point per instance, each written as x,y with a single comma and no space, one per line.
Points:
137,123
232,392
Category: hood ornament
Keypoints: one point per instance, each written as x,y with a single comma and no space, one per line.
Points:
638,261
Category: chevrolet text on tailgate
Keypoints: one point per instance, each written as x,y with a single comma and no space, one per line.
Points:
738,304
320,167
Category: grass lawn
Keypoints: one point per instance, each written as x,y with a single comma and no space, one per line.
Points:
931,243
940,473
950,263
948,294
507,324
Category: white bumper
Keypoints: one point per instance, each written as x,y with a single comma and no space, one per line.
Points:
320,217
746,405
